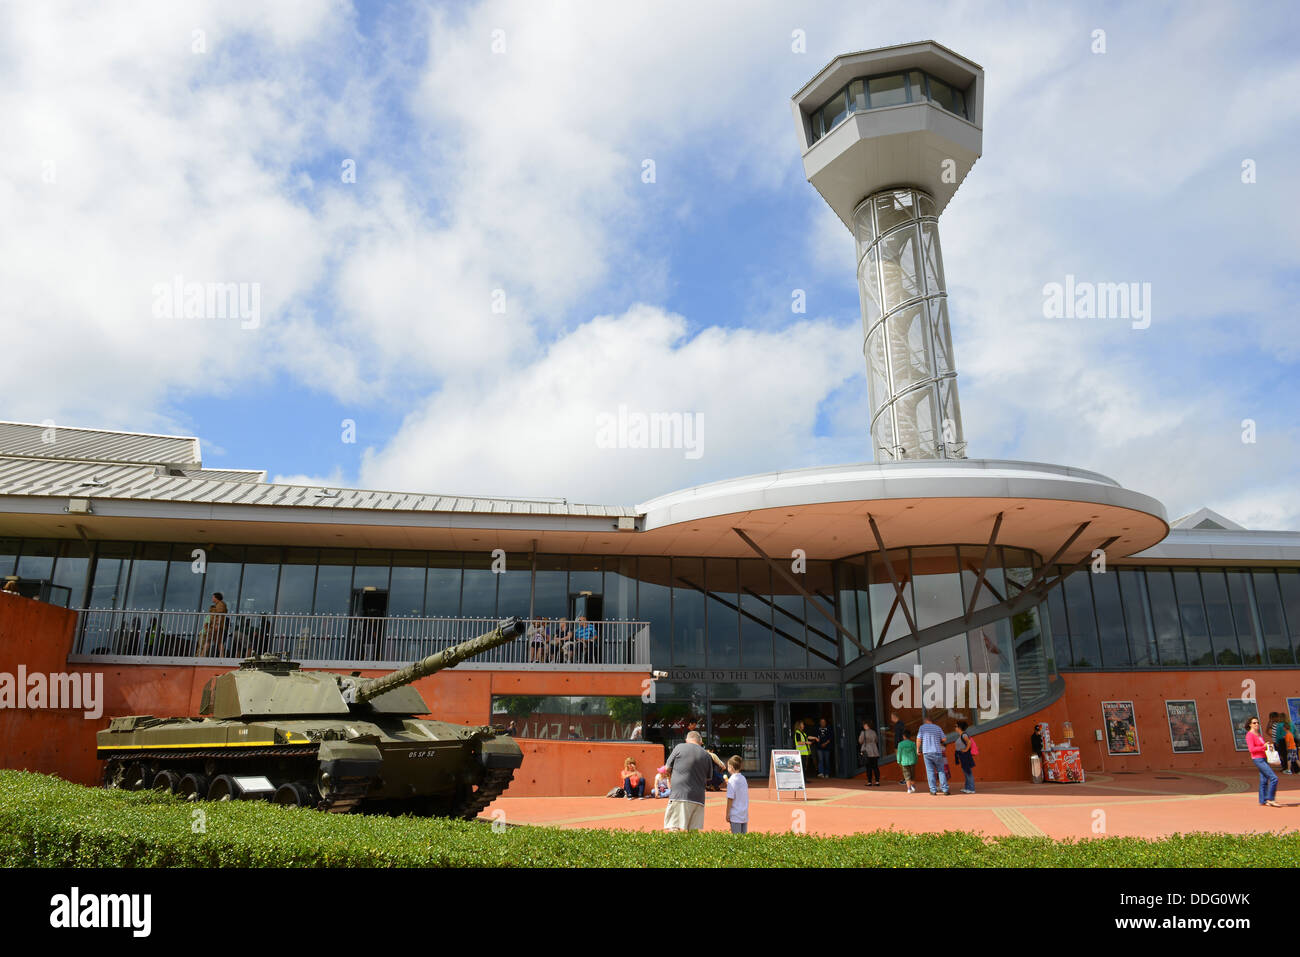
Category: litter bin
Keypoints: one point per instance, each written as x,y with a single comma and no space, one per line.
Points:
1035,769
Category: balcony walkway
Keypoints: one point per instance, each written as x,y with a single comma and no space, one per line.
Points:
130,636
1146,804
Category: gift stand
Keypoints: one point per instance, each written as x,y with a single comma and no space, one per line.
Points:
1062,763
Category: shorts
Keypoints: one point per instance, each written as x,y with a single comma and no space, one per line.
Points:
907,771
739,827
684,816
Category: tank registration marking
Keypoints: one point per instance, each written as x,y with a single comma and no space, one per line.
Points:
422,753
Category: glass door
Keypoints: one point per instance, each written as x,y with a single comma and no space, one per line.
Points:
743,728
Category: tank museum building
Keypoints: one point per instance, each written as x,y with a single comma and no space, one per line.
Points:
738,608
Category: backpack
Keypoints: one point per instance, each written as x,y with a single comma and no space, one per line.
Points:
974,748
616,793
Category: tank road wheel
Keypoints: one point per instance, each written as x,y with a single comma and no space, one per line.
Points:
114,772
194,787
222,788
168,781
293,794
133,779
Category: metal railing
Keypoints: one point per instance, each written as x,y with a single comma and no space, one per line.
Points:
123,632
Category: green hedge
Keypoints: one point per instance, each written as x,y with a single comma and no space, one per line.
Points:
48,822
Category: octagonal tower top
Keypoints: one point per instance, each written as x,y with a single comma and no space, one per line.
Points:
907,115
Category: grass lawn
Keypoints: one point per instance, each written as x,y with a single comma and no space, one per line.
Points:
48,822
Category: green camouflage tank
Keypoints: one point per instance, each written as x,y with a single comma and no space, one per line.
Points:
319,739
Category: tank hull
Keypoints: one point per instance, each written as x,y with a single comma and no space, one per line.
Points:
378,763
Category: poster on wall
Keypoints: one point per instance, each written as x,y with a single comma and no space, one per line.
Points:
1121,727
1240,711
1184,727
1293,711
787,773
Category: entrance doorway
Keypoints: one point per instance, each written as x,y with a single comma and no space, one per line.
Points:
743,728
588,604
811,713
366,626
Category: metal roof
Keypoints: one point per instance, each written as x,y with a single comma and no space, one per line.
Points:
50,441
228,475
53,478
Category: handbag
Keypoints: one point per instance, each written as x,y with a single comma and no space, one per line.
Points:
1271,756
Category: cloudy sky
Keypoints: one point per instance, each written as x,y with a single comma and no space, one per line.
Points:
444,211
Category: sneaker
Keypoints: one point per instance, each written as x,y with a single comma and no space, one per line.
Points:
967,791
933,793
944,793
911,790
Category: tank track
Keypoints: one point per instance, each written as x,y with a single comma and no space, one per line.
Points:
108,754
494,783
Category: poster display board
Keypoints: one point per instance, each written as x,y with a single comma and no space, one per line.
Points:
1293,711
787,773
1240,711
1184,727
1121,727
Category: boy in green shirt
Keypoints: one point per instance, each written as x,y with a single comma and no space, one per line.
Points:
905,752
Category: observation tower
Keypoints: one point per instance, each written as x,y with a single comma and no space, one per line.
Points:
887,136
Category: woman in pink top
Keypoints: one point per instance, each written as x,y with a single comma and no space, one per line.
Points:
1257,747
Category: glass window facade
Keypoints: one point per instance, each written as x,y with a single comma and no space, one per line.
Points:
879,92
1180,617
728,613
569,717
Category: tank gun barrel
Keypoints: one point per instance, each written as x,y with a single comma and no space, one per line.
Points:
506,631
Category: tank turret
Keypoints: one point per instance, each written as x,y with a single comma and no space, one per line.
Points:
320,739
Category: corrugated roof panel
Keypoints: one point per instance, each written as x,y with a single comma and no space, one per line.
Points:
20,475
229,475
31,440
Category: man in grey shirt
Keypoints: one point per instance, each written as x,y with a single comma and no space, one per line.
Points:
689,764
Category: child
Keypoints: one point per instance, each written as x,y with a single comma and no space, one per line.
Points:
633,783
737,796
1292,764
906,753
663,784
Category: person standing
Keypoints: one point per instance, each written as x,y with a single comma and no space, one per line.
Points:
900,732
689,766
824,738
965,759
801,744
218,611
1279,738
929,741
905,752
1258,749
636,732
737,796
869,748
1036,745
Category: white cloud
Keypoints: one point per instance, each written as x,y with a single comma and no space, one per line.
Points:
521,171
534,432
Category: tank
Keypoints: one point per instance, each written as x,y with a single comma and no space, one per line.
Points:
318,739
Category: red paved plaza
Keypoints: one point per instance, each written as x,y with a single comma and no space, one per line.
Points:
1146,804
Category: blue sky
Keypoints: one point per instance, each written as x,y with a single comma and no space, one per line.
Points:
217,156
